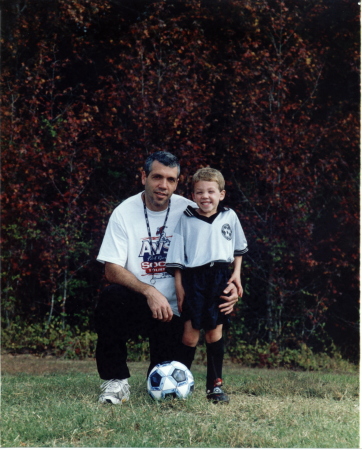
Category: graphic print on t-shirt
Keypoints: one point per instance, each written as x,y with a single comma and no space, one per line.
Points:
154,258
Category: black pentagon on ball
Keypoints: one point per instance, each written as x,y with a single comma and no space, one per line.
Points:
155,379
170,396
179,375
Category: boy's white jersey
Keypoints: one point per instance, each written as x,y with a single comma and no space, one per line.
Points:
127,243
199,240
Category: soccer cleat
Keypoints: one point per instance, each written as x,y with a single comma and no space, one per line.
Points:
217,395
114,391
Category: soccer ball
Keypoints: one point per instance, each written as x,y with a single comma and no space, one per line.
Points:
170,379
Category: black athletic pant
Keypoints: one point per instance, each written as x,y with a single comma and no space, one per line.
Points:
122,314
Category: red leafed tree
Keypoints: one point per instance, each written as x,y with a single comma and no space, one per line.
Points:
48,158
286,164
250,104
266,91
284,145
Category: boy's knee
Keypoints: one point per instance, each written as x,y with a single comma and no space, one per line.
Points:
191,335
215,335
190,341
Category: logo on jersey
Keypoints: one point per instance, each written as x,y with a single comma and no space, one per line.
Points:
154,258
226,231
161,231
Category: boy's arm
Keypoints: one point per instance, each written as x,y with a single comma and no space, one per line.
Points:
180,292
236,275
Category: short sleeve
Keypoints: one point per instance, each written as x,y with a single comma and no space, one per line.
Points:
176,253
240,243
114,248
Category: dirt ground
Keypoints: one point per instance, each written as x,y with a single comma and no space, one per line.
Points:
37,365
43,365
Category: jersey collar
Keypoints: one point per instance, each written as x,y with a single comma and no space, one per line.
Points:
191,212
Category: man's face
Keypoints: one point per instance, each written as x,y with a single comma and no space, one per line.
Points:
160,184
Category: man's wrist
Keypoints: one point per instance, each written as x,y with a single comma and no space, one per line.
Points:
148,288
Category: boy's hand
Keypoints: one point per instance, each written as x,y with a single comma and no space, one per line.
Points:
230,297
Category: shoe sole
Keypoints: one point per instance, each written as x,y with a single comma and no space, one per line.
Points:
218,400
116,401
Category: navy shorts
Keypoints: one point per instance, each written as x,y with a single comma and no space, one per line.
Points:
203,287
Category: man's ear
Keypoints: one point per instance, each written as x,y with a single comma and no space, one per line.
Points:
144,176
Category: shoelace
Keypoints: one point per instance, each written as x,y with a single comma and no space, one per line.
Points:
112,384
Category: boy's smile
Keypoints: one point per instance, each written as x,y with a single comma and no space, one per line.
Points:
207,196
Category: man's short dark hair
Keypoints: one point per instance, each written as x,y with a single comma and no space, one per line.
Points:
165,158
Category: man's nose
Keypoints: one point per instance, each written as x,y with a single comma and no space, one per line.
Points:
163,183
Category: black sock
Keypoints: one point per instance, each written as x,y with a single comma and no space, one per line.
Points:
186,355
215,358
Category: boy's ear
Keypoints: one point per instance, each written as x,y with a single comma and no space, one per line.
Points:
193,195
222,195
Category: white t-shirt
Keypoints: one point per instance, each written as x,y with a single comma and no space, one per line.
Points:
200,240
126,242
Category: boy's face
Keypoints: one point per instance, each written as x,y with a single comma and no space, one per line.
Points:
207,196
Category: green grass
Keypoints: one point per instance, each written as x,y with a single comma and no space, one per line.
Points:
268,409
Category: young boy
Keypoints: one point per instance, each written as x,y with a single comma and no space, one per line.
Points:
206,241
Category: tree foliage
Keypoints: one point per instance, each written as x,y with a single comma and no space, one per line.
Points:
266,91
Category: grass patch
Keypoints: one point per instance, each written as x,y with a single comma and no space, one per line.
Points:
268,408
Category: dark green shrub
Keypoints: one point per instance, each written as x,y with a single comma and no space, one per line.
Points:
302,358
60,340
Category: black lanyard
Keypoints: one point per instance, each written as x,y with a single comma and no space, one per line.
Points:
153,252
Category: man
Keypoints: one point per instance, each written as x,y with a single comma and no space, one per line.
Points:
141,298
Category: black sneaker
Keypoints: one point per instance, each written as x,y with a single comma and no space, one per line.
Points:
217,395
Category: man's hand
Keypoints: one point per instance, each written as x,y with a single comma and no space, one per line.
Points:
235,279
158,304
230,297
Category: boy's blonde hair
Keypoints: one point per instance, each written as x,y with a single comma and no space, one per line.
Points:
209,174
